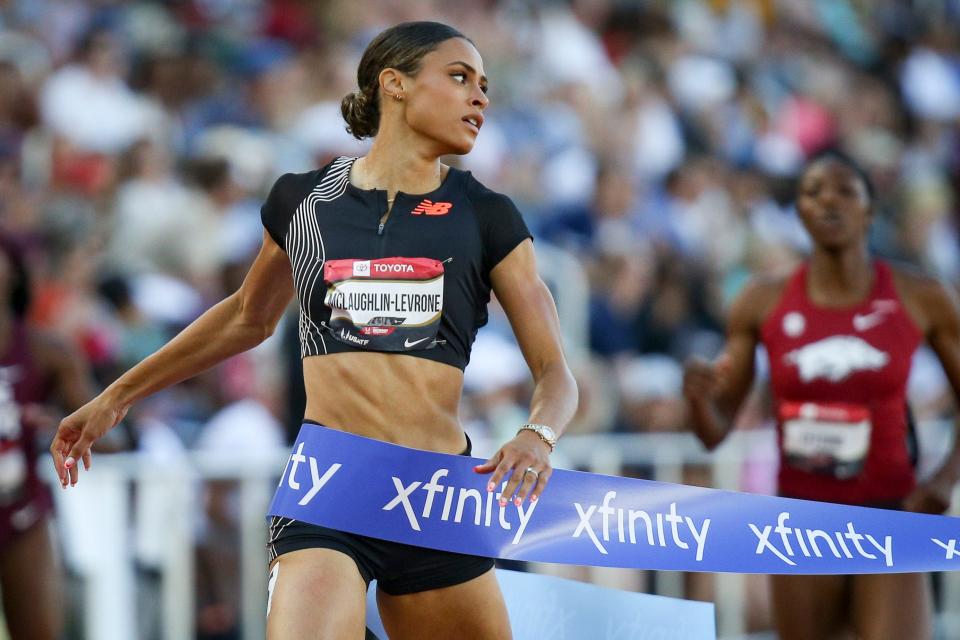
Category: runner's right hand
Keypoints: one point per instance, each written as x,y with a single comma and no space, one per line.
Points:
77,432
702,378
702,385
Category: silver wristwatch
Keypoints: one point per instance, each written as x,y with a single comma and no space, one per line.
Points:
546,433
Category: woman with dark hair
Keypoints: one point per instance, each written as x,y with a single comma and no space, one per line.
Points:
329,232
840,333
34,370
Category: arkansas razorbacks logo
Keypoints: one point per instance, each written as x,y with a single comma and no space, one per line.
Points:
835,358
430,208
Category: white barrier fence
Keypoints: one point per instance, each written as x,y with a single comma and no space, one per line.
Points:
104,537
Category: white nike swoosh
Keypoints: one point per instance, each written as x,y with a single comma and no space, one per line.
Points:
408,344
862,323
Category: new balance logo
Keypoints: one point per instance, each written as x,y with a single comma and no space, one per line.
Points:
430,208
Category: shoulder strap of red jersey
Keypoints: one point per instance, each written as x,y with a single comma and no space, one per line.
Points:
797,284
884,287
793,295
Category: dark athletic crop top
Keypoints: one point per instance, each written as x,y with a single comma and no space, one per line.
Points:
418,284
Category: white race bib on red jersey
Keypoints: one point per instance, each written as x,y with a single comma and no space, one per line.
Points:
828,439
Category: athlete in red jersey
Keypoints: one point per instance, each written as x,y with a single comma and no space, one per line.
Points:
840,333
839,379
33,368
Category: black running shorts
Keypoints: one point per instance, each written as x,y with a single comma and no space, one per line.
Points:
398,568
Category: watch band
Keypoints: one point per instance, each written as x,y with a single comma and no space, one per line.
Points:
543,431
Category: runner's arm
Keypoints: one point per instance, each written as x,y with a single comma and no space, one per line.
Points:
237,323
714,391
69,370
942,311
533,315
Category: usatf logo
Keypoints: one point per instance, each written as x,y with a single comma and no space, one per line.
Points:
431,208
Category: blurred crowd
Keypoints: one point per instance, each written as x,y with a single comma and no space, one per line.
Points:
656,142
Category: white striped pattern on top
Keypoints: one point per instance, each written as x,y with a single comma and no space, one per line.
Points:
304,245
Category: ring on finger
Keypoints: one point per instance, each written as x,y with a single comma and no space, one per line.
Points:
535,473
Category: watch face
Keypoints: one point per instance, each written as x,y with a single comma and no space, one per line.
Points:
548,433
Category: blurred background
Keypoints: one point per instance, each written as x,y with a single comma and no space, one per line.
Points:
652,147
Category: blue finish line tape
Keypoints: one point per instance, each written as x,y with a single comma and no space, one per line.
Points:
363,486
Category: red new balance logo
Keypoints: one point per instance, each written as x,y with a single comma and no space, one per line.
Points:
433,208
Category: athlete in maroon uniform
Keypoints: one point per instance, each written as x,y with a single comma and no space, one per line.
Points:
839,379
33,369
840,333
24,498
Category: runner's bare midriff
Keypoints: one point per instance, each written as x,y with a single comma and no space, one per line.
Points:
396,398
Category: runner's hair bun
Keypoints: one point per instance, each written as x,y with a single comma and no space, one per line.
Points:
362,113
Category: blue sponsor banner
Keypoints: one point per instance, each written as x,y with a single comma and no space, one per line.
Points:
435,500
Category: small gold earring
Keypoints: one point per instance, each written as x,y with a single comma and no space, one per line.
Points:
397,97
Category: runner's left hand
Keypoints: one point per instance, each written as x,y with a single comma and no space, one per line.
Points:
933,496
525,451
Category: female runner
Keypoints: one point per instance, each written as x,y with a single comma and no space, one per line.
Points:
35,369
446,241
840,333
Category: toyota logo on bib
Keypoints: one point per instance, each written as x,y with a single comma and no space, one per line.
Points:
361,269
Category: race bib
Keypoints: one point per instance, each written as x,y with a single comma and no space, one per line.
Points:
827,439
389,304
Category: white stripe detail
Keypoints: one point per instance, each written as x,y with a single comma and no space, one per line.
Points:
272,586
304,244
275,532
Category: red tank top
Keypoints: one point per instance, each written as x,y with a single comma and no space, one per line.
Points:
839,380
